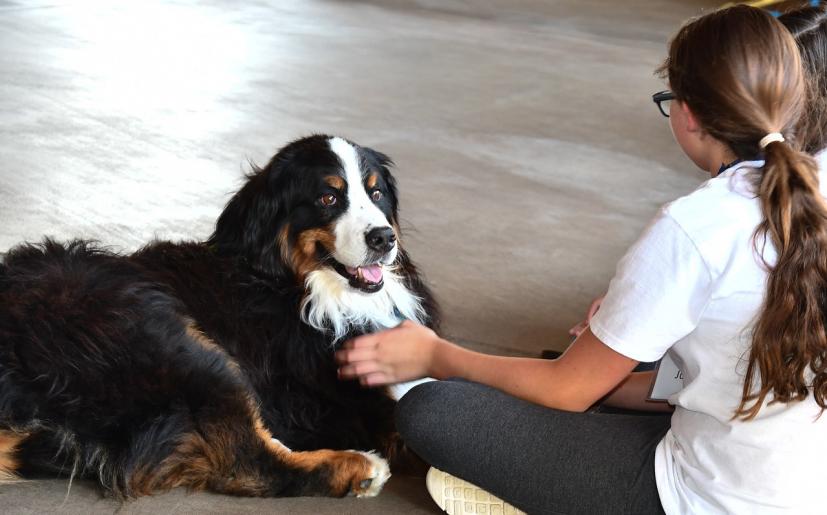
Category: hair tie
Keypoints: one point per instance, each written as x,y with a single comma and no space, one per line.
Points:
770,138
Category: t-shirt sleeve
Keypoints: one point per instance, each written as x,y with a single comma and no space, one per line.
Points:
659,291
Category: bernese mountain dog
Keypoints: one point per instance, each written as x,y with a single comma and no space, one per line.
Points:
210,365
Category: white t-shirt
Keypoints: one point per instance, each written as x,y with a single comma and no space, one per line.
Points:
693,285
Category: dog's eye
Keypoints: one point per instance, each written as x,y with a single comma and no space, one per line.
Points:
376,195
328,199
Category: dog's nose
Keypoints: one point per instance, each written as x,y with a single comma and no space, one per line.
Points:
380,239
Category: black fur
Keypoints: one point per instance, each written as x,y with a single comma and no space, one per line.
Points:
98,368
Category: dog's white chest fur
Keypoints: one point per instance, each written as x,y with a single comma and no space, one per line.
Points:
332,305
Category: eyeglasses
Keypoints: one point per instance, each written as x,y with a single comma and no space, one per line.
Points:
662,99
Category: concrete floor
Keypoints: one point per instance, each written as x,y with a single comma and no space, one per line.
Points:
529,152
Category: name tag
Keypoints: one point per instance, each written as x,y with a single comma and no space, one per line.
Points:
668,380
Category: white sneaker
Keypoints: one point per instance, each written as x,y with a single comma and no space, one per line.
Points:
458,497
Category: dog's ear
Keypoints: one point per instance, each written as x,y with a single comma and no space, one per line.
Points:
249,225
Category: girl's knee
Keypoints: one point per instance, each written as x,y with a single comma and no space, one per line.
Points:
431,411
421,413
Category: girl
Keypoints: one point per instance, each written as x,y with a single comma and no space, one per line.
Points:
729,280
808,26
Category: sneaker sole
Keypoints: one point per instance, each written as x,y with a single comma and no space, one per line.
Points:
458,497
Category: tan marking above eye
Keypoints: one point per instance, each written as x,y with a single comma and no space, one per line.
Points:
334,181
372,180
328,199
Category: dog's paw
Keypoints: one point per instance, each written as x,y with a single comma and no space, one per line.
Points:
368,482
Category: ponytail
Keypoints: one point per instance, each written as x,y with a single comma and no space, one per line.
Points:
789,344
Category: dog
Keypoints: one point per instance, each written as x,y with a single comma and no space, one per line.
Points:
210,365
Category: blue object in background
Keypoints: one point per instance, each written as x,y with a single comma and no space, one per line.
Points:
813,3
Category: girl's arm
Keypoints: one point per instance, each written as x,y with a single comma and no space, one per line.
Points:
584,374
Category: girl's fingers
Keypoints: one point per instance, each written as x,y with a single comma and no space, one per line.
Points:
375,379
360,342
594,307
358,354
576,330
360,369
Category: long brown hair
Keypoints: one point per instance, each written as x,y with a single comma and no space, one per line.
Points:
809,28
739,71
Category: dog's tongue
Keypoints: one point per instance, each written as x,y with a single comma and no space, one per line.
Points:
372,273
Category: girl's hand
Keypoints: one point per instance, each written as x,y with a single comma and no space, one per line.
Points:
403,353
579,328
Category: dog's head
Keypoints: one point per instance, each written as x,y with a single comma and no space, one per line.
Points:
323,213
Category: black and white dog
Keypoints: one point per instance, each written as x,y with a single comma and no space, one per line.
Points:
210,364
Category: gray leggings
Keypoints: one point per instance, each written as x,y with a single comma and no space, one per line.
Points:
539,459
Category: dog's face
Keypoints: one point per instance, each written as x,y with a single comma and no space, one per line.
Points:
351,227
323,212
